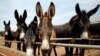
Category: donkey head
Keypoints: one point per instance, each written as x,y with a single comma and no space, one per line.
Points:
7,27
21,25
45,25
82,22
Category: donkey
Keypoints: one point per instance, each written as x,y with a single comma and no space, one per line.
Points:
21,28
75,27
8,34
31,37
46,30
80,28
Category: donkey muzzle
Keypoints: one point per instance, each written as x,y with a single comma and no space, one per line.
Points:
45,45
29,52
22,35
6,33
85,35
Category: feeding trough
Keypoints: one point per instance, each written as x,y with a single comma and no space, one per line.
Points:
5,51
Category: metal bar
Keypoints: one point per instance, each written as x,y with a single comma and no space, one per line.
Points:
38,43
74,45
57,39
52,39
74,39
10,41
77,45
67,45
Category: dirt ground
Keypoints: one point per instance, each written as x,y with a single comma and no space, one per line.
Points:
60,50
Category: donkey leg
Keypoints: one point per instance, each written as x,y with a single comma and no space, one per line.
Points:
38,50
24,48
82,52
54,47
18,46
9,44
71,51
5,43
49,53
35,46
67,51
76,53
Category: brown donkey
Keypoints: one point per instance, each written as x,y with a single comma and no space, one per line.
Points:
46,30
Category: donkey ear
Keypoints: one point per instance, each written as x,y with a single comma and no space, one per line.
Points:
25,14
93,11
39,10
78,11
16,15
9,22
35,20
4,22
51,10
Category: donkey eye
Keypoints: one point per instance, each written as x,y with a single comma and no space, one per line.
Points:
39,28
33,40
50,29
80,24
49,34
40,32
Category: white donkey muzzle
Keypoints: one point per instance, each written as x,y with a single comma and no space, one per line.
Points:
29,52
85,35
45,45
6,33
22,35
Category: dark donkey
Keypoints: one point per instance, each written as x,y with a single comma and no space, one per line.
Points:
8,34
80,28
76,27
46,30
31,37
21,28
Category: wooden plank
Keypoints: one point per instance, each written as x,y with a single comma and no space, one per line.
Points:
10,52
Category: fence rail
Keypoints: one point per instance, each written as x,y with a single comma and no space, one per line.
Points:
77,45
74,39
66,45
5,51
57,39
